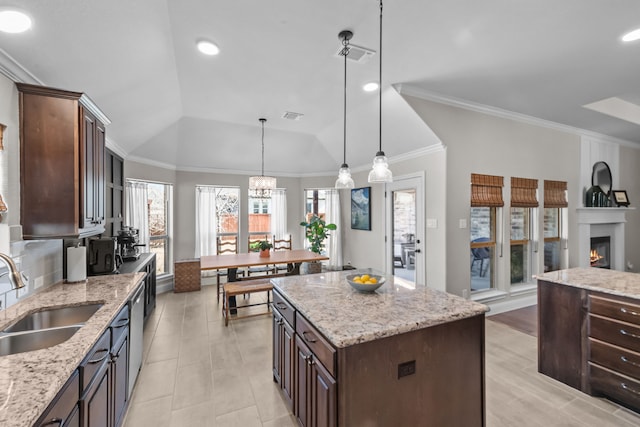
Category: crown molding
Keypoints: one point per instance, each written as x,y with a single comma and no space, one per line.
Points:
13,70
411,90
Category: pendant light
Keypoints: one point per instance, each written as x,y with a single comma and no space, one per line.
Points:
344,174
380,171
260,187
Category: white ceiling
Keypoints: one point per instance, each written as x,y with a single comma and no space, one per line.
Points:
169,104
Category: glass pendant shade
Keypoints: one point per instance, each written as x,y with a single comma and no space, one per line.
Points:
344,177
380,171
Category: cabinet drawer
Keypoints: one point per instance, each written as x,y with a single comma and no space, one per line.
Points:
322,350
285,309
64,404
618,333
120,325
616,309
97,357
615,358
618,387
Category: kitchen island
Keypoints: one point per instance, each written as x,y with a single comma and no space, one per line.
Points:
31,381
398,356
589,331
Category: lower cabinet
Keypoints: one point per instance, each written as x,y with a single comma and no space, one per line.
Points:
119,365
63,411
145,263
283,356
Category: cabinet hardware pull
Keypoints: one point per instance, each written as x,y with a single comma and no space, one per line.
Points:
631,312
106,353
307,339
310,361
53,421
629,334
121,325
281,306
625,360
626,387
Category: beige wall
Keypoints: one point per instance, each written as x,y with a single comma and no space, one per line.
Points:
479,143
629,180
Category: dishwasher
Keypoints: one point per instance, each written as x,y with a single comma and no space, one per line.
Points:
135,337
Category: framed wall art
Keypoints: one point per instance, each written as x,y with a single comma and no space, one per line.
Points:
361,208
620,197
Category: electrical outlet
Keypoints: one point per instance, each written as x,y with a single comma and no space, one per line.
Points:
406,368
432,223
38,282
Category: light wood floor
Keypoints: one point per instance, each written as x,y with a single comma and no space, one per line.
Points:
197,373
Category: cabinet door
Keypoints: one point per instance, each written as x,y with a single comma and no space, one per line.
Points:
87,192
96,401
323,397
61,411
288,355
150,288
277,347
119,375
302,380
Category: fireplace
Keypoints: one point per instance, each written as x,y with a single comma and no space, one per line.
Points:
600,255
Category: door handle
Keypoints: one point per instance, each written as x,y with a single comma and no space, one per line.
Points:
417,251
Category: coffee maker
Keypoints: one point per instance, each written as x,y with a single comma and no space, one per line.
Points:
128,243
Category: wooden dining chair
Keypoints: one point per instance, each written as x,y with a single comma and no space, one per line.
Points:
283,244
252,242
225,245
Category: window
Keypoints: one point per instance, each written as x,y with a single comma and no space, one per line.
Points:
315,203
259,217
227,214
486,199
149,207
555,200
524,202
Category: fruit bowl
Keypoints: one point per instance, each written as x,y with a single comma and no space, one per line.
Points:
365,287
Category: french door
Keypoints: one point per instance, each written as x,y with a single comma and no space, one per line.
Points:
405,248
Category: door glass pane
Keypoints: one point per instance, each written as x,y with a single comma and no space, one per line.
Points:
520,253
482,232
158,247
552,256
404,232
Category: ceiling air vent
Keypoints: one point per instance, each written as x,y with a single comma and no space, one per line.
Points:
291,115
357,53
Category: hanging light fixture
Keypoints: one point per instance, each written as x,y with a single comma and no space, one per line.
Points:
380,171
260,187
344,174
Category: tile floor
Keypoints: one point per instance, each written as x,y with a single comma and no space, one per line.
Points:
197,373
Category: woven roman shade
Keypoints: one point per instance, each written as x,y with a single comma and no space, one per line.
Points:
486,190
523,193
555,194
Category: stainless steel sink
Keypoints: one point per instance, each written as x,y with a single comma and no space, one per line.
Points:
54,318
21,342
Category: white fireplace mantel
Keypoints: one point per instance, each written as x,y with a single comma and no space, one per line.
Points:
599,222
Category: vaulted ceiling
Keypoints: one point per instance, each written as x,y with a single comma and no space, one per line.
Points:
171,105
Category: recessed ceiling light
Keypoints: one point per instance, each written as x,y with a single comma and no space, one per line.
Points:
207,47
631,36
13,21
370,87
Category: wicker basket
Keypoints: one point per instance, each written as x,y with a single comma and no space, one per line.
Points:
186,275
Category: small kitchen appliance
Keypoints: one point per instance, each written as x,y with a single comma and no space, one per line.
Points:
102,257
128,243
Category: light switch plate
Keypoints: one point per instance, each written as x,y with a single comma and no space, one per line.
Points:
463,223
432,223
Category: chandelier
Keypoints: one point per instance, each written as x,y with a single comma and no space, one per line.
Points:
260,187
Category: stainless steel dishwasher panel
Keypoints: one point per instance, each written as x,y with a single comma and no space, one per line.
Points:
136,337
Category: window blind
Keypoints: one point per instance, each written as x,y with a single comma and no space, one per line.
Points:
524,193
555,194
486,190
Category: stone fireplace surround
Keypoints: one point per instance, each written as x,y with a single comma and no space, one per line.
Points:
600,222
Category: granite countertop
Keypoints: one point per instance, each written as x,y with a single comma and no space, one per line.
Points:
347,317
29,381
597,279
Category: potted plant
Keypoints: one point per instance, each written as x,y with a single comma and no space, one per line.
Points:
264,247
316,231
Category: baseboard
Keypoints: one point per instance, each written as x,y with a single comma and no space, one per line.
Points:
512,303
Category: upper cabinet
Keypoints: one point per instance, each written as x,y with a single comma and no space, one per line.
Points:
62,163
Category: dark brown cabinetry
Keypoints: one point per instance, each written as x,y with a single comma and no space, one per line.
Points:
62,163
119,365
63,411
393,381
590,341
115,193
283,347
145,263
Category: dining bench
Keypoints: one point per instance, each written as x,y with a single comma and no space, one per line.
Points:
245,287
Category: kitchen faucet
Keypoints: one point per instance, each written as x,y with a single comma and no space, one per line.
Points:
14,275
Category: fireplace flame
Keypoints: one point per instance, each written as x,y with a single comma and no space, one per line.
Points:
595,257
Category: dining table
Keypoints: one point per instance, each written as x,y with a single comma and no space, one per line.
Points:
232,262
